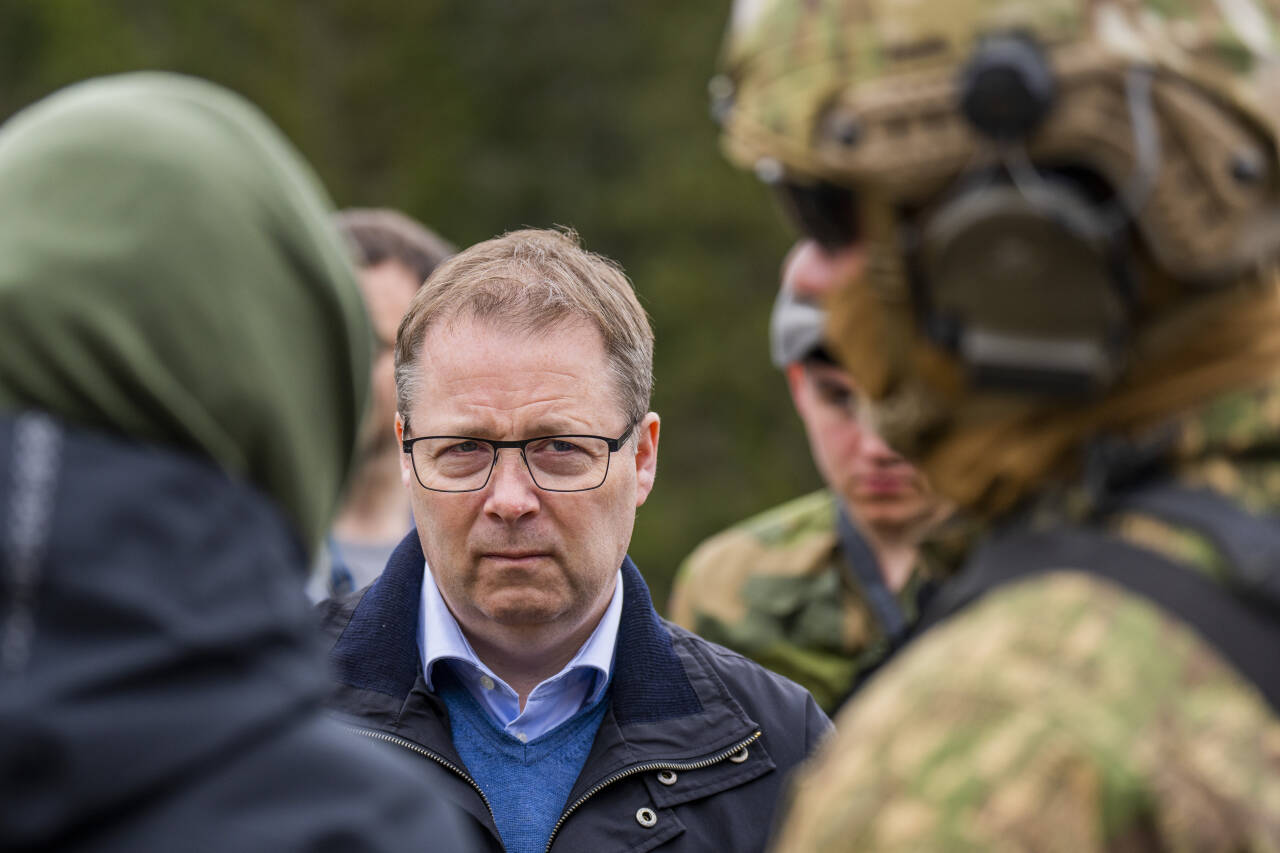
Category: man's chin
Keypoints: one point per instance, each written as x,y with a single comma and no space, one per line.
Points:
516,608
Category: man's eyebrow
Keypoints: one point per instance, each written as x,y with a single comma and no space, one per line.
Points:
539,428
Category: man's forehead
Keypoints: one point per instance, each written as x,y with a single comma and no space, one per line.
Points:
486,377
482,425
514,412
474,322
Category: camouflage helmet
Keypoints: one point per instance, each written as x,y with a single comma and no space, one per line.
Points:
863,93
1165,113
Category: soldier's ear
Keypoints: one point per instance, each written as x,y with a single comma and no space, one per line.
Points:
796,382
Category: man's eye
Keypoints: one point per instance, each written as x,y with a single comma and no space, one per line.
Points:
462,447
554,446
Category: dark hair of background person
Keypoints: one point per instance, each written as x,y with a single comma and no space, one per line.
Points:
379,234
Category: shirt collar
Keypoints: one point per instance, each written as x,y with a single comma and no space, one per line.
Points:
440,638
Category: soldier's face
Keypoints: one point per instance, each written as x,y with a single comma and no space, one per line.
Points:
882,490
878,485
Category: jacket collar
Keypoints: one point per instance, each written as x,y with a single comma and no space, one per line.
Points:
378,649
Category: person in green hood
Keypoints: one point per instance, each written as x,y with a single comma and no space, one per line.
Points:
168,273
184,360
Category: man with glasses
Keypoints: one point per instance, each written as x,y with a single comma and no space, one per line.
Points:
510,639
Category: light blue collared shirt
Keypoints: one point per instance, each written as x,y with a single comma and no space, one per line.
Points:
581,683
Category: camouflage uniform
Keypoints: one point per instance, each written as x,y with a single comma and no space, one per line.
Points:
1059,711
777,589
1063,713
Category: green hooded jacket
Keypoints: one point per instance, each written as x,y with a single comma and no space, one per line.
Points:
168,272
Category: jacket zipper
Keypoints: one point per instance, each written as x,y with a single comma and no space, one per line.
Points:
423,751
595,789
644,768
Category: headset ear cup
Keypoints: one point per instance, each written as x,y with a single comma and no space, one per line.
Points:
1026,286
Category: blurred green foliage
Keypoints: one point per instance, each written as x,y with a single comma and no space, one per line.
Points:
479,116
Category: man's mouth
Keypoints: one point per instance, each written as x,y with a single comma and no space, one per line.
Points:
513,556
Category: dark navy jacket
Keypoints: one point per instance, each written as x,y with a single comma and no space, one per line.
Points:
693,753
161,678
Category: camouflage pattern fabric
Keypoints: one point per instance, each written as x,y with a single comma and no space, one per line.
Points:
864,94
776,589
1062,713
787,61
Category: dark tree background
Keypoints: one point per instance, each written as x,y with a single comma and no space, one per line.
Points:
479,116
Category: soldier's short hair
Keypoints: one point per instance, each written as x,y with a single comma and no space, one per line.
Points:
533,280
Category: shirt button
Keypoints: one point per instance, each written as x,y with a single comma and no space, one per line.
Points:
522,737
486,682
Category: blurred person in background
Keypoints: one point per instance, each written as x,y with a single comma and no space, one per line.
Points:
1048,237
184,360
822,588
394,254
510,638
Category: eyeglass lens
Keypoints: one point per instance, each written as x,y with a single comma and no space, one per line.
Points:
556,463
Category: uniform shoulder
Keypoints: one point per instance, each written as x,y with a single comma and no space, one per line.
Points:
800,523
1059,676
794,539
797,518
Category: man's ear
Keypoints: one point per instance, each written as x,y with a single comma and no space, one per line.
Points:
646,455
406,463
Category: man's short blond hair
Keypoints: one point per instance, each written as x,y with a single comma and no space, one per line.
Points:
530,281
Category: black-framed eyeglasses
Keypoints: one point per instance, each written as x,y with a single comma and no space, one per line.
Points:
557,463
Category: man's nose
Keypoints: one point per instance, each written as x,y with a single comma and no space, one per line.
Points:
813,272
512,492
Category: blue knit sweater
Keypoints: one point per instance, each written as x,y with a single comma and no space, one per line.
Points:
527,783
